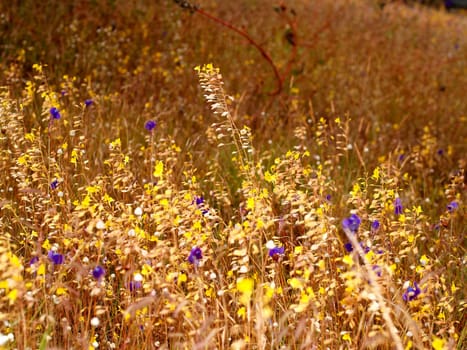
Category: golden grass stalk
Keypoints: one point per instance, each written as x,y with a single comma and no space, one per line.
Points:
377,290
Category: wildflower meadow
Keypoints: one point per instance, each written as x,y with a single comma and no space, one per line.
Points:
233,174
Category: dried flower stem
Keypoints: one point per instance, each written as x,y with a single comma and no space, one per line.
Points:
211,82
377,290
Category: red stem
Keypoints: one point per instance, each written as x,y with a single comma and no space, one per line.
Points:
252,42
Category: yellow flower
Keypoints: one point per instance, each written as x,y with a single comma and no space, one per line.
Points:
269,177
295,283
37,67
241,312
346,337
424,260
438,343
375,175
250,205
46,245
61,291
158,169
348,260
12,295
245,287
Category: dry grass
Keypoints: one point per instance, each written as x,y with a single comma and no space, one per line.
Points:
327,215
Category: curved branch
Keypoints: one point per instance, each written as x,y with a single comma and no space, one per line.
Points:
252,42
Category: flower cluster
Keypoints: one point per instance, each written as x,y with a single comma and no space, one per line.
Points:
349,247
452,207
375,226
352,223
195,256
199,201
412,292
56,258
274,251
54,113
54,184
397,206
98,272
150,125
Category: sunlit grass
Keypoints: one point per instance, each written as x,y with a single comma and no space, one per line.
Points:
152,200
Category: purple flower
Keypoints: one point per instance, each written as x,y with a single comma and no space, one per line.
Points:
55,113
56,258
134,285
98,272
411,293
195,255
398,206
54,184
199,200
375,225
348,247
33,260
378,271
276,252
88,102
451,207
150,125
328,197
351,223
